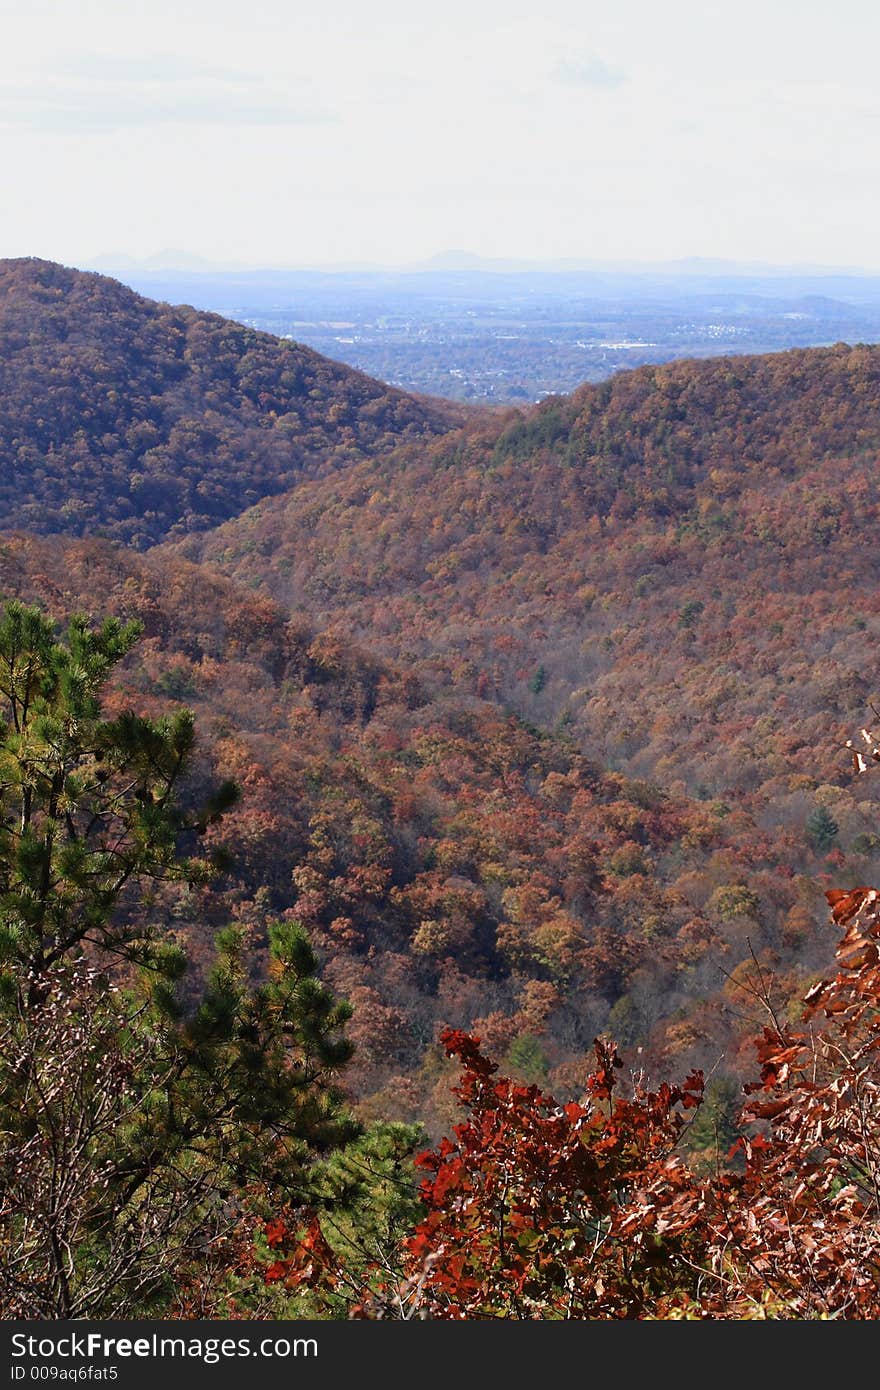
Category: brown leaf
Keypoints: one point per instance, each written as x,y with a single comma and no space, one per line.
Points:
845,904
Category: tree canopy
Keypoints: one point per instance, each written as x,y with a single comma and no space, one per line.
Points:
142,420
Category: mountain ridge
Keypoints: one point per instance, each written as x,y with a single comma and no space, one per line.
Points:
533,733
142,420
657,555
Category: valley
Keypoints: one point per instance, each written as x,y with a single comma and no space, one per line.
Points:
497,334
538,716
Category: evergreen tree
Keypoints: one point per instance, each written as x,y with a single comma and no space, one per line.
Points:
526,1059
87,805
133,1130
715,1127
822,829
328,1261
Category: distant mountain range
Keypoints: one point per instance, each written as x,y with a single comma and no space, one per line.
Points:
117,262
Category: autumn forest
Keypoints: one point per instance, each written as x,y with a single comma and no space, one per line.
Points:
436,843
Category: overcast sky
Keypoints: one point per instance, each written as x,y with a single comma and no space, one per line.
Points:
314,131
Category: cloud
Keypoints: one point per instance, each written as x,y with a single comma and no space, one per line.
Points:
92,112
98,96
589,70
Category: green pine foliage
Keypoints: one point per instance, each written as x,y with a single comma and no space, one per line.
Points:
822,829
140,1118
87,804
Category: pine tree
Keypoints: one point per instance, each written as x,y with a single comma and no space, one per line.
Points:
822,829
135,1124
87,805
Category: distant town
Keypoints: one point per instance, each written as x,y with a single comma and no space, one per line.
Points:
514,337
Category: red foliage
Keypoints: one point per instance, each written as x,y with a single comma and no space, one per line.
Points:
304,1259
536,1210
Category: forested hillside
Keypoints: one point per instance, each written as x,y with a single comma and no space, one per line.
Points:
141,421
677,567
454,866
539,731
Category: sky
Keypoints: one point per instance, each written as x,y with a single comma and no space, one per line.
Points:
278,132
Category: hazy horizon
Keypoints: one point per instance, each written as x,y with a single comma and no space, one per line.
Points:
184,262
272,137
